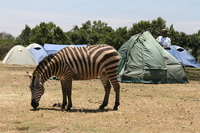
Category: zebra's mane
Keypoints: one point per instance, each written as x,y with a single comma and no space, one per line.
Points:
44,61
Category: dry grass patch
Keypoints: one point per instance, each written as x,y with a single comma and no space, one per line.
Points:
144,107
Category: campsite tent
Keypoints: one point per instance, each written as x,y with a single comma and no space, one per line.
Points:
183,56
19,55
54,48
37,51
143,60
30,55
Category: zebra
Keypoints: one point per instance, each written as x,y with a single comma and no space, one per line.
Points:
78,63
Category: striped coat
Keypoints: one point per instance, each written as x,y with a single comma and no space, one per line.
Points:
80,63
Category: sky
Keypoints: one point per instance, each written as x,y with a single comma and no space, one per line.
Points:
15,14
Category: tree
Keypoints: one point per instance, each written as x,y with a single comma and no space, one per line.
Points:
103,31
43,33
154,26
91,33
59,37
24,37
119,37
194,44
6,43
98,32
47,33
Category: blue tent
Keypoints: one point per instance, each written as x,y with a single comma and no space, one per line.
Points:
54,48
183,56
37,51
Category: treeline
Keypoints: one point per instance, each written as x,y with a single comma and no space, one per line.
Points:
7,41
96,32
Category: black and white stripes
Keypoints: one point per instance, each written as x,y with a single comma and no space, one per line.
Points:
80,63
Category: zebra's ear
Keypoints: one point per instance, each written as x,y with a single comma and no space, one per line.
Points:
29,75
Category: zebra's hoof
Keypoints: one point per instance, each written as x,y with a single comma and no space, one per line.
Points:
115,108
101,108
68,109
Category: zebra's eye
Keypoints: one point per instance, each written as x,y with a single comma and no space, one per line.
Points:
38,87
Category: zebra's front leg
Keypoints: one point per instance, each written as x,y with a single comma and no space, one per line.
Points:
69,94
64,102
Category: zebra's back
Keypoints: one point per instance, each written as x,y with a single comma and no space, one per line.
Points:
90,61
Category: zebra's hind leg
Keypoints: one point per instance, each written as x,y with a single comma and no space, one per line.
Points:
107,88
117,93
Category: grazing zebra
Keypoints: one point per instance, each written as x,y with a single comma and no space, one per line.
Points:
79,63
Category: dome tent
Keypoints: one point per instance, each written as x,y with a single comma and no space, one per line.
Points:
184,56
143,60
30,55
19,55
37,51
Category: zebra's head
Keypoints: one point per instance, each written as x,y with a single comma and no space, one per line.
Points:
37,89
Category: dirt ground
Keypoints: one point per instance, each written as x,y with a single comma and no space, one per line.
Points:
146,108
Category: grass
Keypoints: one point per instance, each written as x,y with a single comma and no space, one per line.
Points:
144,108
193,73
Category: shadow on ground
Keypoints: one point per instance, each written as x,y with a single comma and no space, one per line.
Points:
73,110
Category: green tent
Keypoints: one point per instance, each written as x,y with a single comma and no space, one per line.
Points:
143,60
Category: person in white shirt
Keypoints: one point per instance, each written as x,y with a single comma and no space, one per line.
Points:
163,40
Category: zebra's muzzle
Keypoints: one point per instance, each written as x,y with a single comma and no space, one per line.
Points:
34,104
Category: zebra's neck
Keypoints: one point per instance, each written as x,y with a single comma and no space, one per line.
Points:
51,67
44,72
45,68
